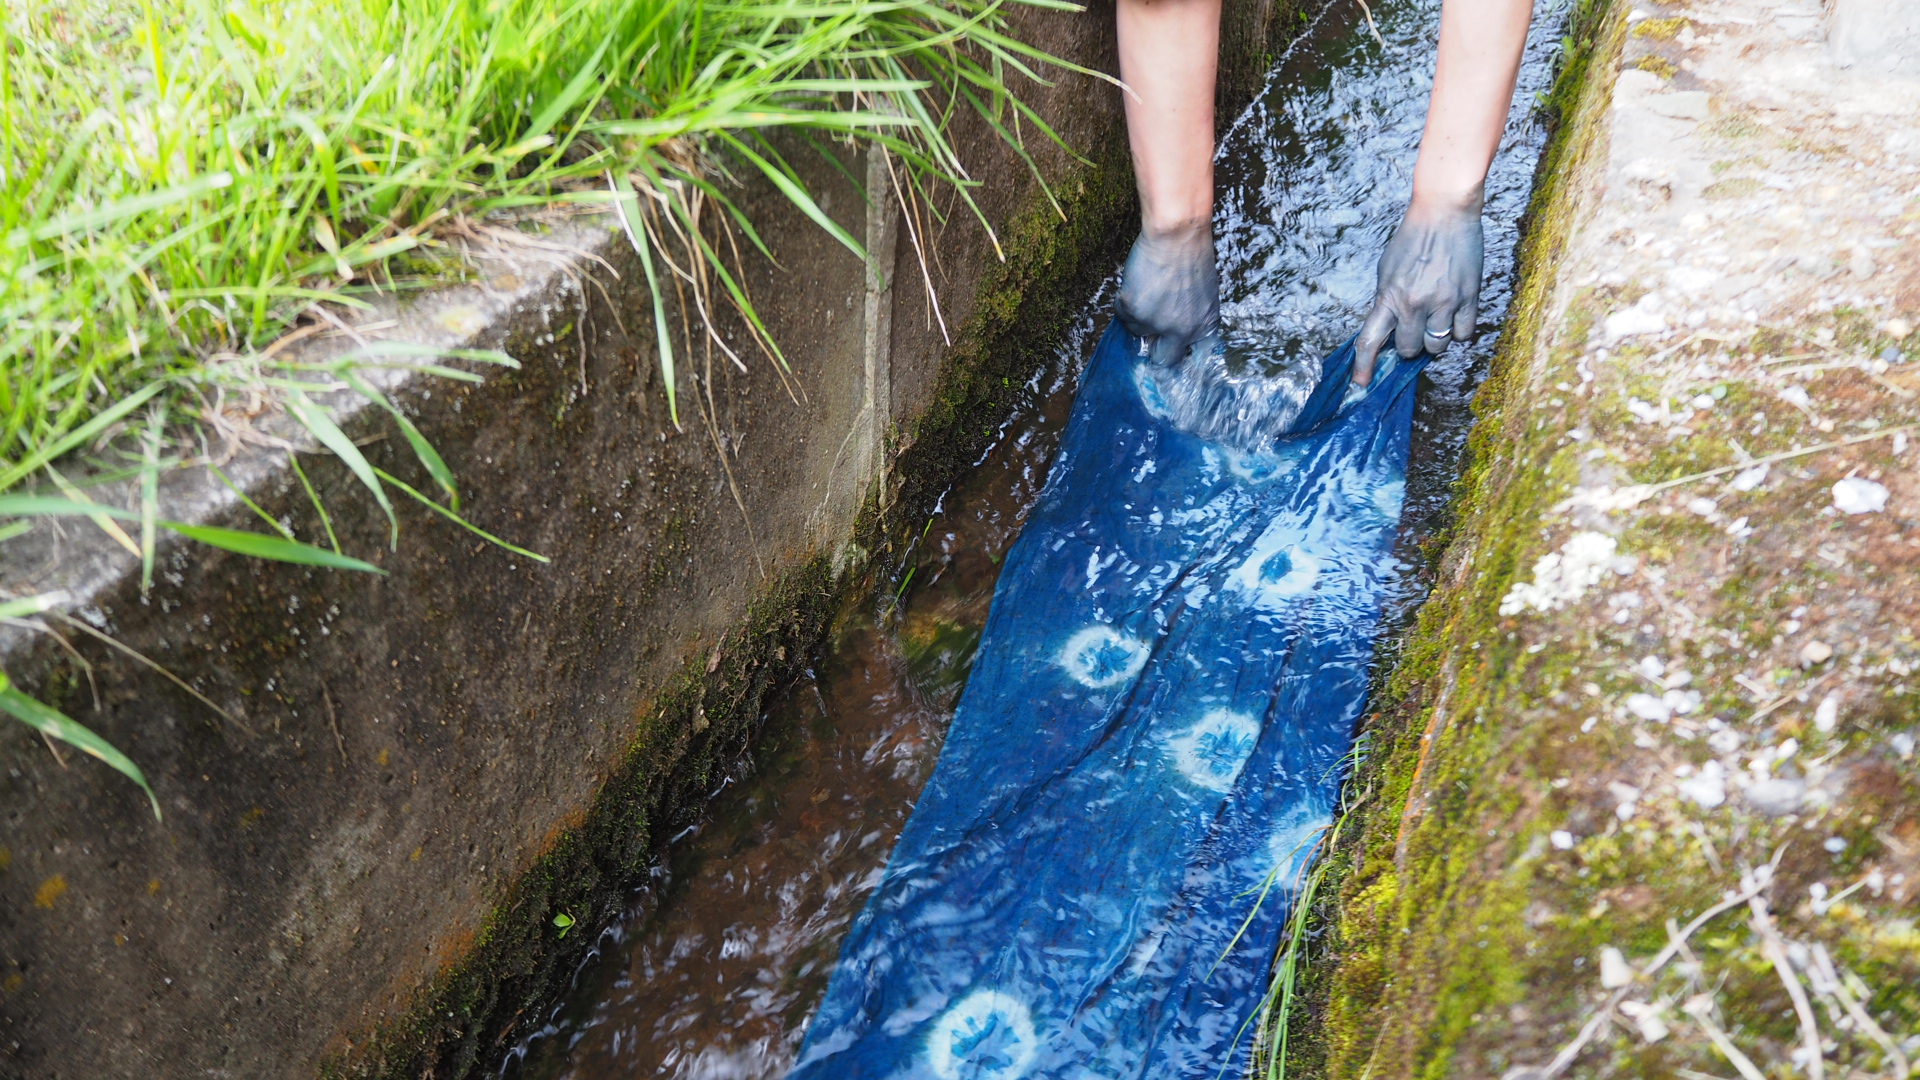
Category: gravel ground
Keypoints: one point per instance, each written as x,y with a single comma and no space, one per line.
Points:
1748,287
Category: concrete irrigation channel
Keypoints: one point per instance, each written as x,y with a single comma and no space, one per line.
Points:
1638,793
358,876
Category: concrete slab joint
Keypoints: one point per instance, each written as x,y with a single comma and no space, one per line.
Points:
883,218
861,463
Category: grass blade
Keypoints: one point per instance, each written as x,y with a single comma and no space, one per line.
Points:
105,521
463,522
569,96
150,494
89,220
55,724
235,540
326,520
54,506
430,458
316,420
261,546
78,436
29,606
790,187
249,503
636,235
408,348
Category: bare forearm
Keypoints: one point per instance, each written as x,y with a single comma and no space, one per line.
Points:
1169,53
1480,46
1429,288
1170,288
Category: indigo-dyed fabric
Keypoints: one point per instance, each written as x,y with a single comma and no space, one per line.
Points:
1145,755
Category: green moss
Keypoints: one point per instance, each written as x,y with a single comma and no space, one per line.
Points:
1736,187
1420,943
1658,65
1735,126
1660,29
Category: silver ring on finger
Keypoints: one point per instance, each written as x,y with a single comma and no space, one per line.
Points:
1440,335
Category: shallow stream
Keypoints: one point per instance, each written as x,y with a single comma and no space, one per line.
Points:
724,955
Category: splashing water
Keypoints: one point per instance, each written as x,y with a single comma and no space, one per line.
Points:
1314,178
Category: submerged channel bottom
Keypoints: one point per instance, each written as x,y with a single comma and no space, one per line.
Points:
728,954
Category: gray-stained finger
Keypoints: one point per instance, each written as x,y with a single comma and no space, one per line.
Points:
1430,279
1170,293
1466,320
1439,333
1366,347
1408,339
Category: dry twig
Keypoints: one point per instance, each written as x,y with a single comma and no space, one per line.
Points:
1827,982
1775,949
1700,1007
1752,884
144,659
333,722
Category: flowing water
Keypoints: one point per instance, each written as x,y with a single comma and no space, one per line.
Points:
726,952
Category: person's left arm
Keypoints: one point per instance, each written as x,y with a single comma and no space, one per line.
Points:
1429,280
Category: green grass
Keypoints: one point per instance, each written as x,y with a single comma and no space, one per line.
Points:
182,181
186,183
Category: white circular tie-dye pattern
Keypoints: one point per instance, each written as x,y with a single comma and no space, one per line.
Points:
1279,566
1098,657
987,1036
1212,752
1259,466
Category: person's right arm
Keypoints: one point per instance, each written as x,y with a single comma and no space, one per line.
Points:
1170,289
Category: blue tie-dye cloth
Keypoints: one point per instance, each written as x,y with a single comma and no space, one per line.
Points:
1145,755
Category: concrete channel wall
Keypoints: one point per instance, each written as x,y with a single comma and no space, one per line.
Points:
1640,797
357,874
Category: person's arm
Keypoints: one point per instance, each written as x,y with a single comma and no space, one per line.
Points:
1169,53
1429,283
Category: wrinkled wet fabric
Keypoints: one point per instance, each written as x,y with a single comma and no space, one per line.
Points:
1146,753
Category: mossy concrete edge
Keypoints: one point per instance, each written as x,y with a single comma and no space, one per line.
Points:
1384,993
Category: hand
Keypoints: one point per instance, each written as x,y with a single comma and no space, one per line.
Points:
1429,288
1170,290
